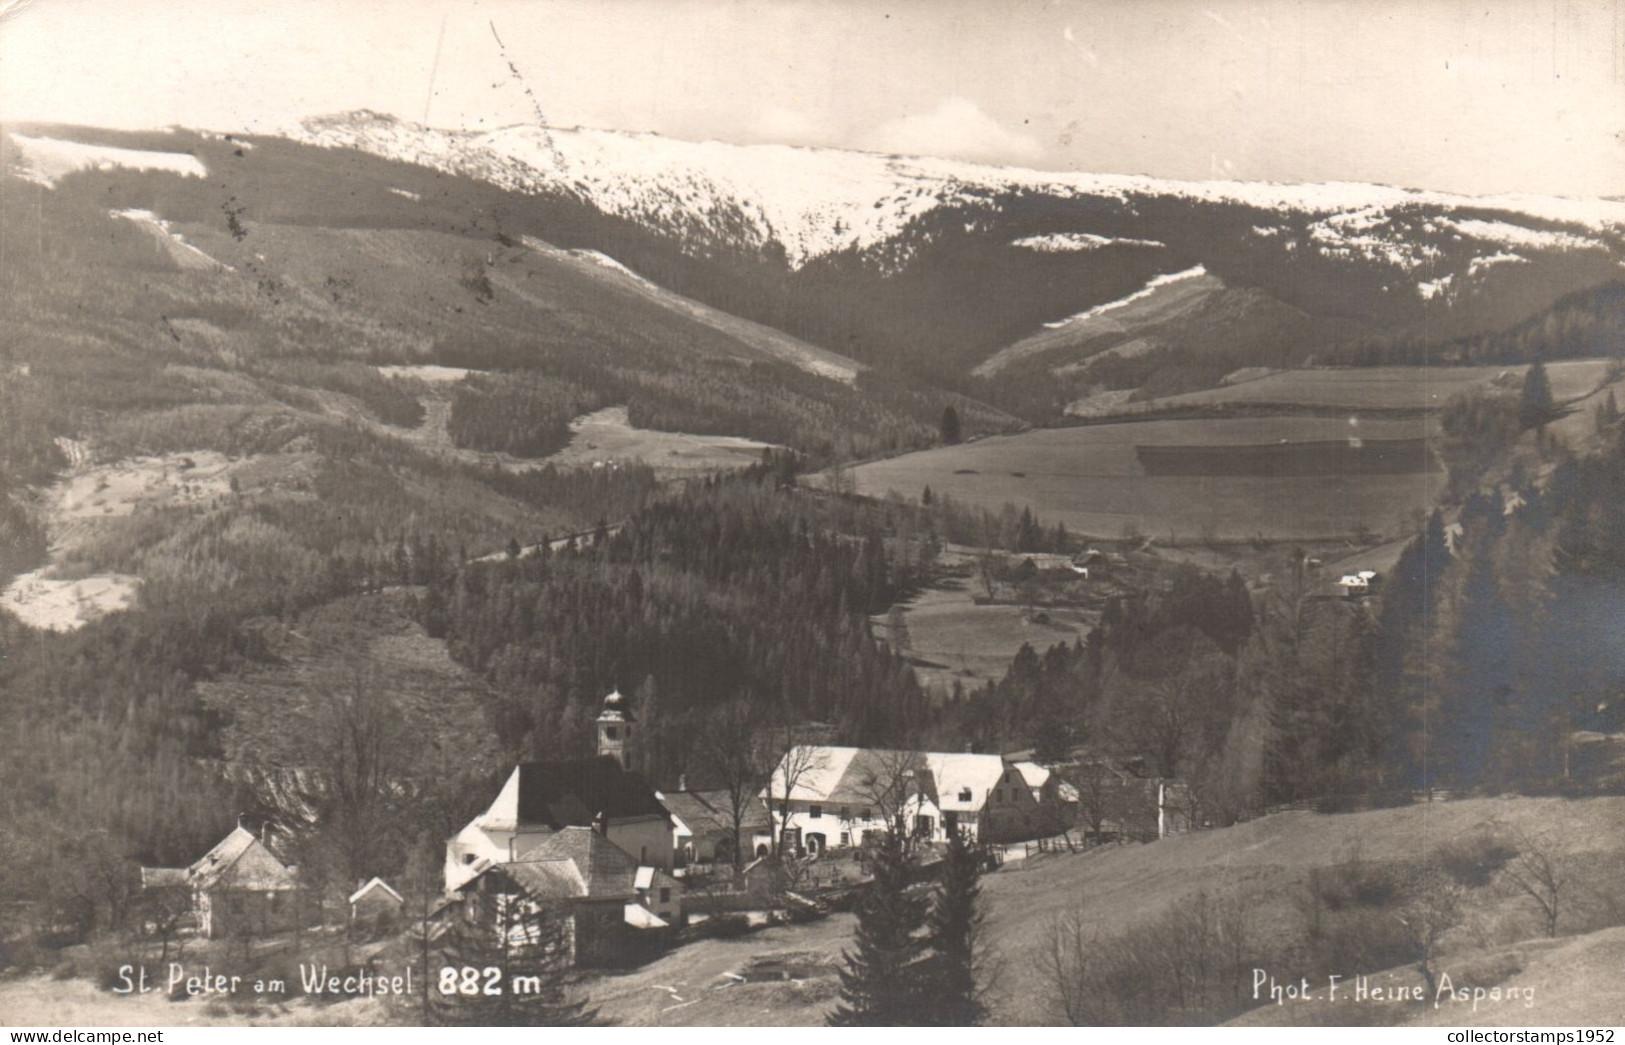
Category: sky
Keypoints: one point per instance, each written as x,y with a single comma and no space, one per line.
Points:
1487,97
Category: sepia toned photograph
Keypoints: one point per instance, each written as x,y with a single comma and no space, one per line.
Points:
812,513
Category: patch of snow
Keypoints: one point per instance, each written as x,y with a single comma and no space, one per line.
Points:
1368,235
600,258
1434,287
47,160
413,196
1194,272
1503,258
1061,242
174,244
427,372
1520,236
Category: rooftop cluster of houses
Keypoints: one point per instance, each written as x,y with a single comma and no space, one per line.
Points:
594,836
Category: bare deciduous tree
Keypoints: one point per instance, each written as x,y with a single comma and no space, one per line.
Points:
1537,872
800,761
1431,908
888,781
733,749
355,786
1065,964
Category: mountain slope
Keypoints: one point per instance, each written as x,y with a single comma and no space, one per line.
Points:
839,247
932,268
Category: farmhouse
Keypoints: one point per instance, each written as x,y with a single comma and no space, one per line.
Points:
540,799
1044,562
1119,799
238,888
825,797
704,826
1358,584
608,900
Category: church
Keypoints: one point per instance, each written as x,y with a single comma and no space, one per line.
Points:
542,799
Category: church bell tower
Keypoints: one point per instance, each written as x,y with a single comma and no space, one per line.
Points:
615,728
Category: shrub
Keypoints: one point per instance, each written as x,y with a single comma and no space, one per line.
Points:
1473,860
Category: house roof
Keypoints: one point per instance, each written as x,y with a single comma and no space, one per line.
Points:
574,792
604,868
374,886
241,861
710,812
852,776
640,917
957,773
558,879
1035,775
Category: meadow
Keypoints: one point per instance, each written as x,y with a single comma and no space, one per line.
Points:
1092,479
605,437
1391,387
952,637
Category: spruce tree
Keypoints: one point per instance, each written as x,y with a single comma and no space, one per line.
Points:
1535,406
507,964
949,427
955,932
878,986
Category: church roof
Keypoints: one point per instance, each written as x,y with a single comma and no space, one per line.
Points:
573,792
615,709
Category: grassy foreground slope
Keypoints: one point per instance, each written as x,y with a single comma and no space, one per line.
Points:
1265,866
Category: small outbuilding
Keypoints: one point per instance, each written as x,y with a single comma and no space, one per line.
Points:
375,906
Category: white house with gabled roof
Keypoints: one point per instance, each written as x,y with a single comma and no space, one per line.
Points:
841,794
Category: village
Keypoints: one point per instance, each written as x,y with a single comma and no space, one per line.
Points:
633,870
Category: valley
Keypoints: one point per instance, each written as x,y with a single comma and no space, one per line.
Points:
346,468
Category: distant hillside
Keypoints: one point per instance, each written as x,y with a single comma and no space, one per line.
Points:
930,267
936,261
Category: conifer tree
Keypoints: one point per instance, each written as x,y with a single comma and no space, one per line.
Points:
507,964
878,986
949,427
1535,406
955,937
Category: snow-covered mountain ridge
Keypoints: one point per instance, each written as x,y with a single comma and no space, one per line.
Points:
811,202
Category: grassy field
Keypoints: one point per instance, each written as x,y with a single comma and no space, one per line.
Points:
951,638
1399,387
607,437
1090,477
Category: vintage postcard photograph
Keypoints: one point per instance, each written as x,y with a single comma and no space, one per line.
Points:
812,513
